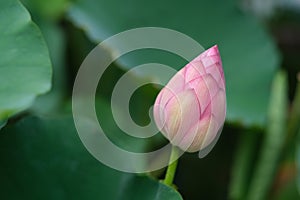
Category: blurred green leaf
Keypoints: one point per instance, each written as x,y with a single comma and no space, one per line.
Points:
115,134
267,164
243,164
249,55
289,191
298,161
294,117
25,68
55,40
48,161
2,124
51,10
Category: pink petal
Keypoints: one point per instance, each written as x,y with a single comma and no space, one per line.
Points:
182,112
158,112
218,107
215,73
174,86
194,137
205,87
193,70
211,133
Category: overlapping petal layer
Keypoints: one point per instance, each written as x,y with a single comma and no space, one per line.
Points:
190,110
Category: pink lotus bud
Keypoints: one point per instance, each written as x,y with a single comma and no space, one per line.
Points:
190,110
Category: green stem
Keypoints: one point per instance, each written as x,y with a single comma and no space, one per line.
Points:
170,174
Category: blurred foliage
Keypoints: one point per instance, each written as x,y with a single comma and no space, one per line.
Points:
55,38
50,10
243,164
272,145
257,156
25,68
2,123
226,27
51,158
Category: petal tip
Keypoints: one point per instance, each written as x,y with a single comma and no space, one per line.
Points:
213,51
